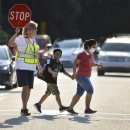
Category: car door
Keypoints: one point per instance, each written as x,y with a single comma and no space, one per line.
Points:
13,77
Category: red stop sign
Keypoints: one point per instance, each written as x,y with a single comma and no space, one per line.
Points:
19,15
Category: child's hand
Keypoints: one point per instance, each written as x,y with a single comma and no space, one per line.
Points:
70,76
40,72
99,66
73,76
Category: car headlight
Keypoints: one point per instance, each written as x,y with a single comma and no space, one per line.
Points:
76,52
4,67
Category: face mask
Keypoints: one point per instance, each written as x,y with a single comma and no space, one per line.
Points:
92,50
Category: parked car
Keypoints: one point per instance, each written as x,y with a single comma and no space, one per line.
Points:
122,35
70,48
44,42
7,68
114,55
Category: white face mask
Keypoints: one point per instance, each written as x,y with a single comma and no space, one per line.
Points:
92,50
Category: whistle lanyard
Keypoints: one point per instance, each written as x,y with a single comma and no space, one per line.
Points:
31,43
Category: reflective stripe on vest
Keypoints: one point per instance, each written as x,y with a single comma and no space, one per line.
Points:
31,53
24,55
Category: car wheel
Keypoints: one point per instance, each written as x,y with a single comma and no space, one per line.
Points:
100,72
15,85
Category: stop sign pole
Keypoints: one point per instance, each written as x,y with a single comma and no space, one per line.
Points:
19,15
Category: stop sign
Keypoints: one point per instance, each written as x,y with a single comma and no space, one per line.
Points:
19,15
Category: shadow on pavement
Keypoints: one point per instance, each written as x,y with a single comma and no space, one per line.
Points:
14,121
46,117
80,119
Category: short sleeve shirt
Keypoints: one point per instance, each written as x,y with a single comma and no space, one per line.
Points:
56,66
86,63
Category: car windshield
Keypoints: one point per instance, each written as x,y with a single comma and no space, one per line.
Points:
3,54
67,44
41,43
125,47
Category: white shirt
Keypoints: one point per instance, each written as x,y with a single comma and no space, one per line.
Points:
21,46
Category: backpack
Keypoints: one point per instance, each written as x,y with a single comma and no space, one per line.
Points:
42,77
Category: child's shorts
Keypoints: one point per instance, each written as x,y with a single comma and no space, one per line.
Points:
52,89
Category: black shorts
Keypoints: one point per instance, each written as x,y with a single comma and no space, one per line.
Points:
25,77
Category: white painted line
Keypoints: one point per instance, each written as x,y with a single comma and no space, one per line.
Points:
109,118
9,114
65,112
98,115
120,114
9,110
71,116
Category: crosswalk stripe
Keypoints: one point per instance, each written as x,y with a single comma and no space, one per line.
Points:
51,112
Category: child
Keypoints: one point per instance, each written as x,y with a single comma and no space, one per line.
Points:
50,76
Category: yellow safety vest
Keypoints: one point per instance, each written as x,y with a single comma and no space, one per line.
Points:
31,53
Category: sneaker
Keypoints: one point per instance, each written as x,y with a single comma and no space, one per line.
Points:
70,110
24,112
38,107
63,108
89,111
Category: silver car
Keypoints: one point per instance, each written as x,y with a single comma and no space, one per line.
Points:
7,68
114,55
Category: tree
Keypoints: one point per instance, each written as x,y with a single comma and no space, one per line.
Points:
3,37
75,18
60,16
103,17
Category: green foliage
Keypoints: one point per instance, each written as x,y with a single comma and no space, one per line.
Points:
60,16
64,15
75,18
3,37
